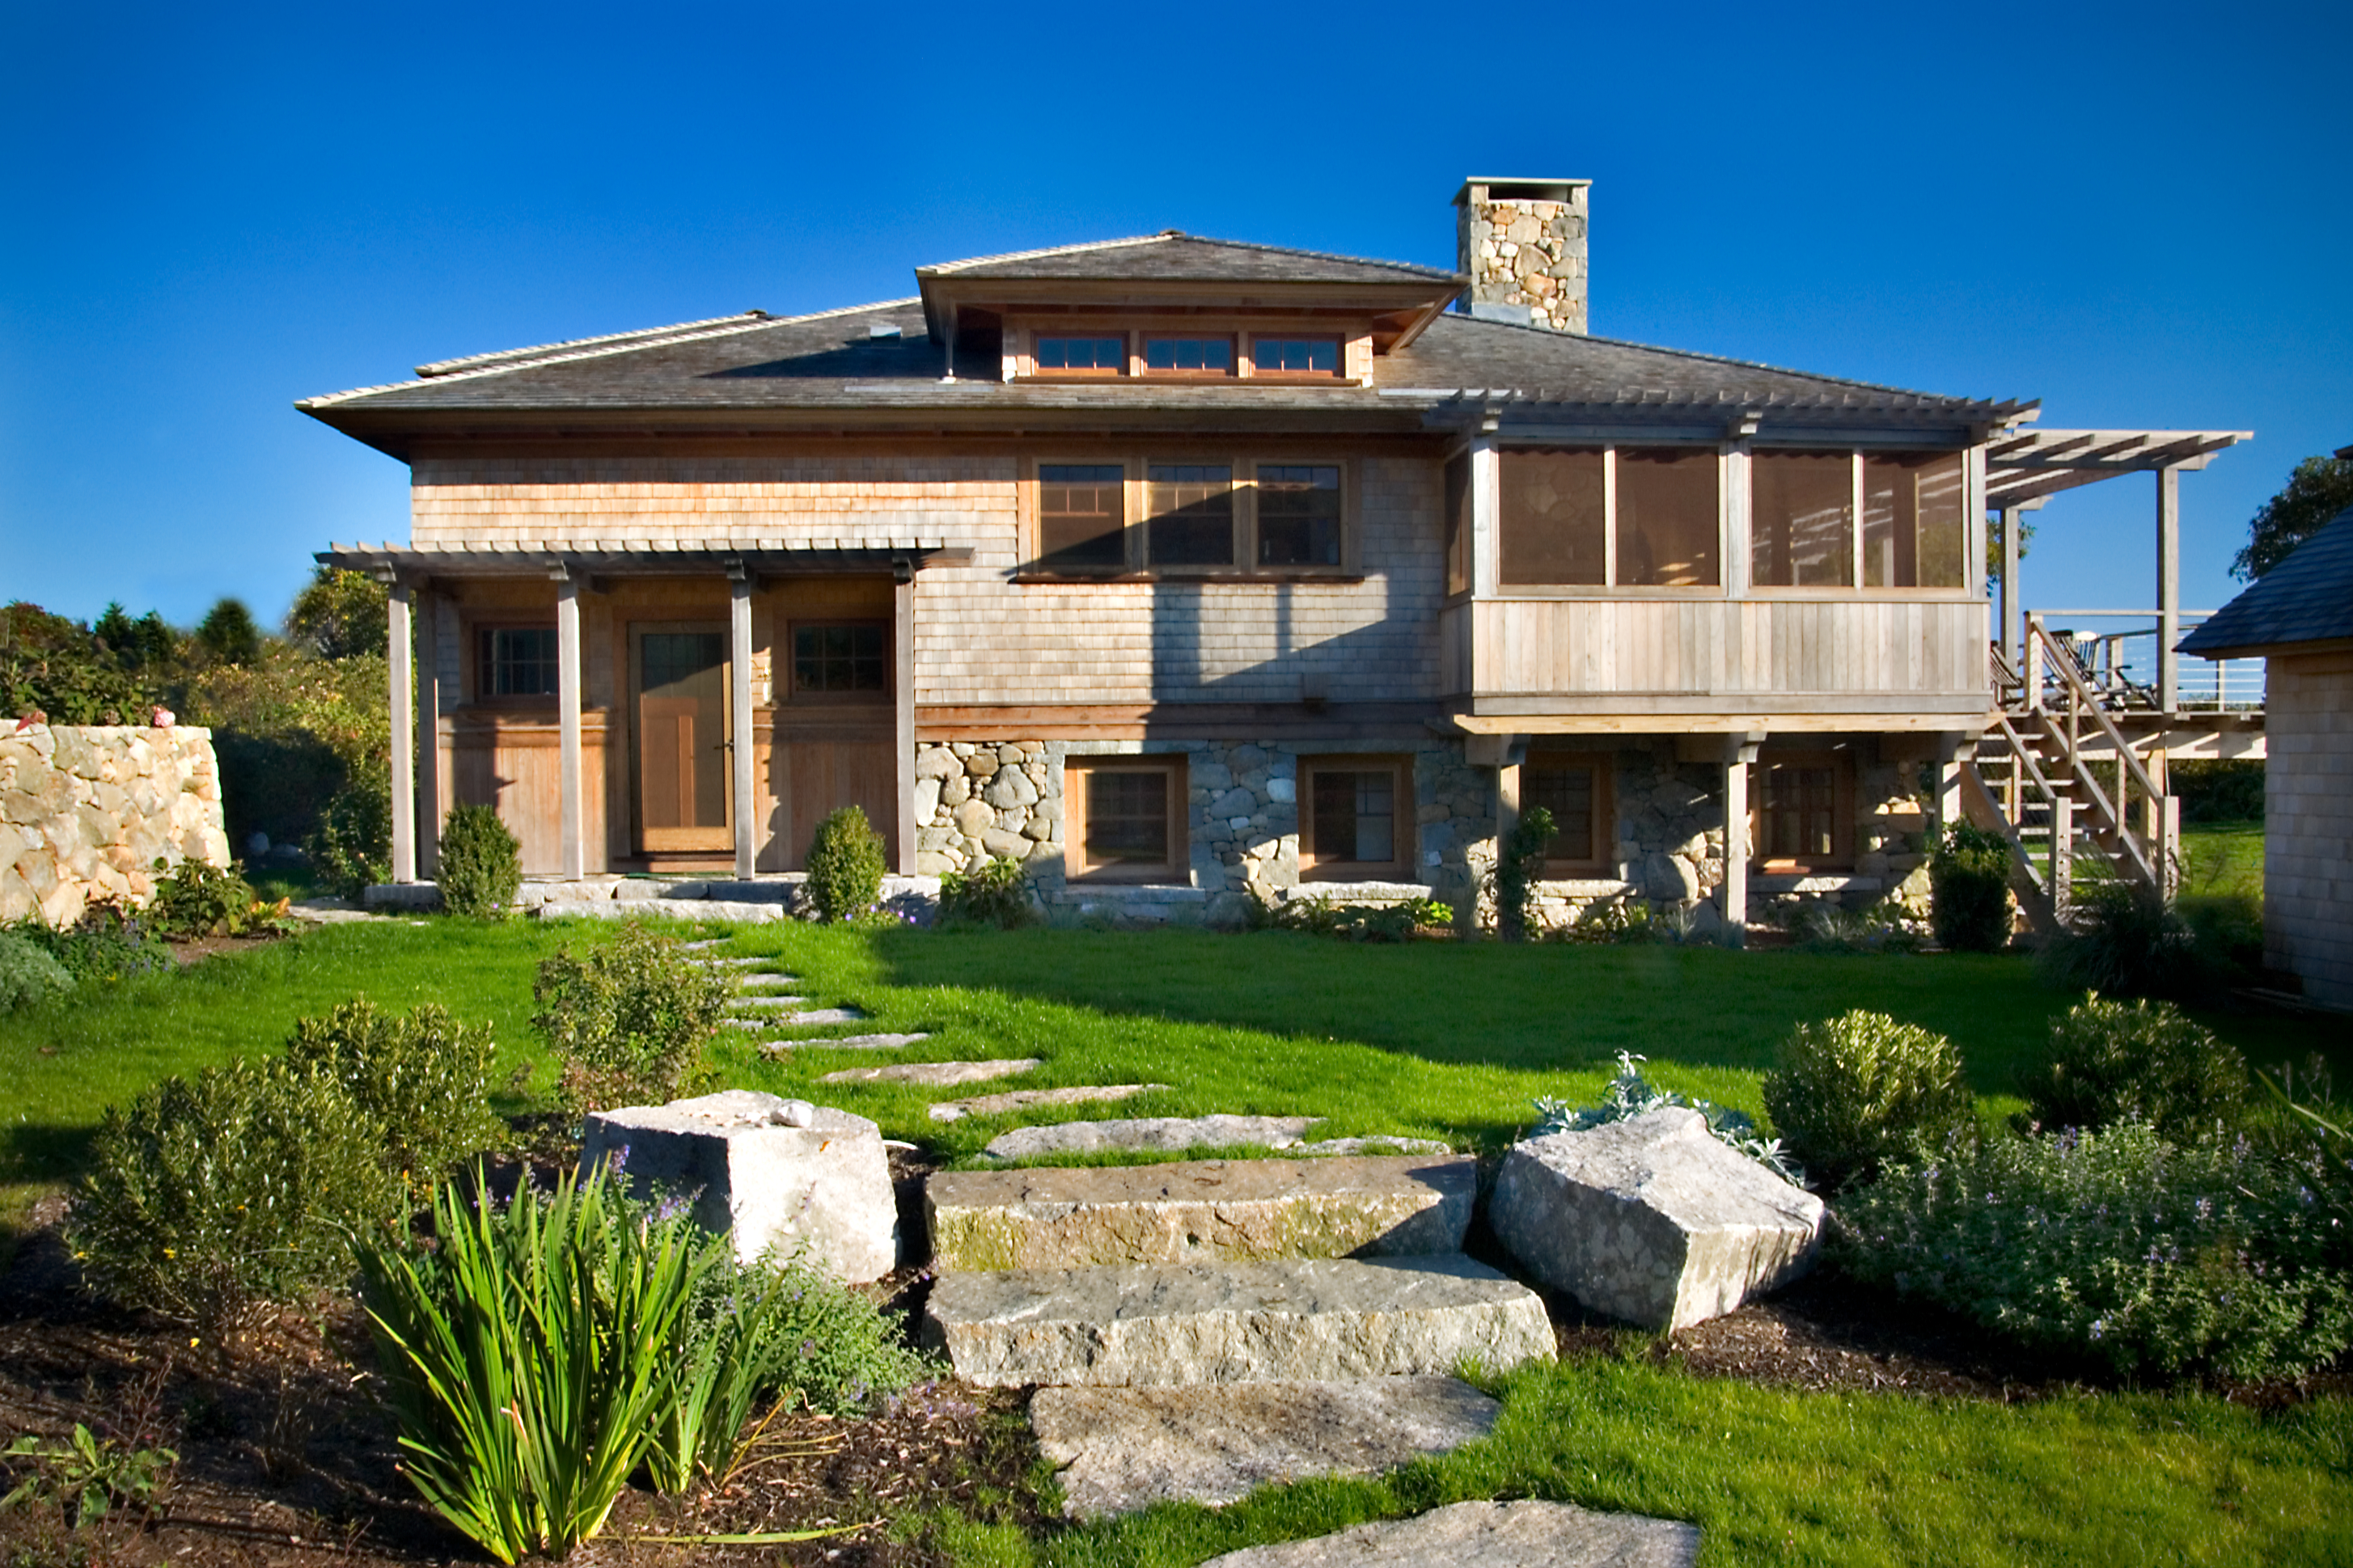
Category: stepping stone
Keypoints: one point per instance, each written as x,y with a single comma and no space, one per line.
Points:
766,982
1022,1099
1122,1450
1376,1145
708,941
726,962
845,1043
1166,1134
767,1001
1198,1211
1525,1534
937,1075
829,1016
1142,1324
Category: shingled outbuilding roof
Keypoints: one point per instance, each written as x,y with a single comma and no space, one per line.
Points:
2307,599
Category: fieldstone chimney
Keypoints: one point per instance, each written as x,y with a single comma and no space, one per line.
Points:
1522,244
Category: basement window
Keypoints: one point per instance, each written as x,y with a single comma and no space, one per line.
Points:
1127,819
1359,818
1577,790
1803,815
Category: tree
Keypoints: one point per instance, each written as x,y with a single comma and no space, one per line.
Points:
340,615
229,634
143,644
2318,489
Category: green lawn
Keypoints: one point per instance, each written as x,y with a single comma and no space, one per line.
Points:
1442,1040
2222,857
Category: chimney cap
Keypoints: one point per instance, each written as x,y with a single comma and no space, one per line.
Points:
1519,188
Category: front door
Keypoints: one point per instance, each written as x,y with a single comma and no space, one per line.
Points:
682,777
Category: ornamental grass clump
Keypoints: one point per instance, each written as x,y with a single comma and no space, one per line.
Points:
423,1077
846,864
2153,1258
2109,1063
629,1021
1630,1094
1854,1092
482,864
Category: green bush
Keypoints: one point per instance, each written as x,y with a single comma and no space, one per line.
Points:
2148,1256
1969,887
996,895
481,863
846,864
109,942
199,898
2126,941
28,976
1855,1092
2106,1064
423,1077
1518,867
629,1021
351,849
2228,789
214,1197
2226,931
1319,916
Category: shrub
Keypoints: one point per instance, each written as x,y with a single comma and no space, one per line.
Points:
2228,789
2148,1256
1319,916
845,865
1624,922
351,847
423,1077
1630,1094
1518,867
1852,1092
481,863
2104,1064
199,898
51,665
996,895
2226,931
1969,887
629,1021
1882,928
215,1196
28,976
2126,941
109,942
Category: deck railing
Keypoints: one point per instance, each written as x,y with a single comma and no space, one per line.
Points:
2116,651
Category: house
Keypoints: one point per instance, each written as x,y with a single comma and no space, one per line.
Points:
1185,569
2298,616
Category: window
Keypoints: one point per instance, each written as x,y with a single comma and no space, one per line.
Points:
518,661
1667,515
1458,523
1359,817
1127,820
1296,356
1082,517
1189,510
1803,815
1083,356
1188,356
1577,790
1915,528
842,661
1556,517
1801,508
1298,514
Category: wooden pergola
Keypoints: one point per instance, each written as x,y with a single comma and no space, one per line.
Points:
2025,468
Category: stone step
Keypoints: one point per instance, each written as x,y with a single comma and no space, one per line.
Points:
1122,1450
1198,1211
842,1043
1295,1319
767,1001
1164,1134
936,1075
1529,1533
1024,1098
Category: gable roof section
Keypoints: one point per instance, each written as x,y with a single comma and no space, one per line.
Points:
1174,255
2307,599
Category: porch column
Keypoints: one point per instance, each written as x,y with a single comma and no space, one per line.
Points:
2013,608
403,735
739,712
429,804
1486,517
2168,587
1739,752
573,862
902,707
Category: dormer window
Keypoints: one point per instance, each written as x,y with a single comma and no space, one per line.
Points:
1296,356
1091,355
1188,356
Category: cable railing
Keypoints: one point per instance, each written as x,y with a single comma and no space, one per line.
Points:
2116,653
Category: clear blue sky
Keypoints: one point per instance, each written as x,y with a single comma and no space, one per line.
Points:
2136,213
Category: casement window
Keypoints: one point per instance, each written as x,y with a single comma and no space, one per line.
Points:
1296,356
1125,819
517,661
1803,815
1082,517
1359,818
1151,517
1576,788
1189,514
1094,353
1188,355
1803,508
1299,514
1645,517
841,661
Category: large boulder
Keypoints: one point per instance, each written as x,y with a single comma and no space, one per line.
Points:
771,1174
1652,1220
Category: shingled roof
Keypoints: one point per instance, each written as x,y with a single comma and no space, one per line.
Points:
2307,599
1174,255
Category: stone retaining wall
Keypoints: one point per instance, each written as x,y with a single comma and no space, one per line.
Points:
87,810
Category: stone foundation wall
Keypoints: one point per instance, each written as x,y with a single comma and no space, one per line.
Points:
87,810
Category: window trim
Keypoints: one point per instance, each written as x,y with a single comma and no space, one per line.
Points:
1605,810
1134,528
796,697
1176,870
1405,836
1840,762
1339,371
1082,373
1141,356
479,629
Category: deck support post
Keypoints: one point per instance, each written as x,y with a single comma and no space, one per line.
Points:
739,713
2062,858
2168,588
573,863
902,705
402,694
1739,754
2013,608
431,807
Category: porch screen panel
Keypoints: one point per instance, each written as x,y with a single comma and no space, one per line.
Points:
1915,525
1555,517
1667,509
1802,519
682,709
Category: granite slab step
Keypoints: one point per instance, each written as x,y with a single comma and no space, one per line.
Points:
826,1015
1166,1134
1313,1319
740,1001
1122,1450
1024,1098
935,1075
1198,1211
727,962
765,981
1529,1533
842,1043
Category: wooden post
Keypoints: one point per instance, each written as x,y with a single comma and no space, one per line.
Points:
739,712
1486,518
2063,856
1954,747
2033,673
430,808
2013,608
1740,570
573,862
1740,752
403,735
2168,588
903,681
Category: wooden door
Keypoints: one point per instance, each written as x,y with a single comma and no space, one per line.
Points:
683,781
